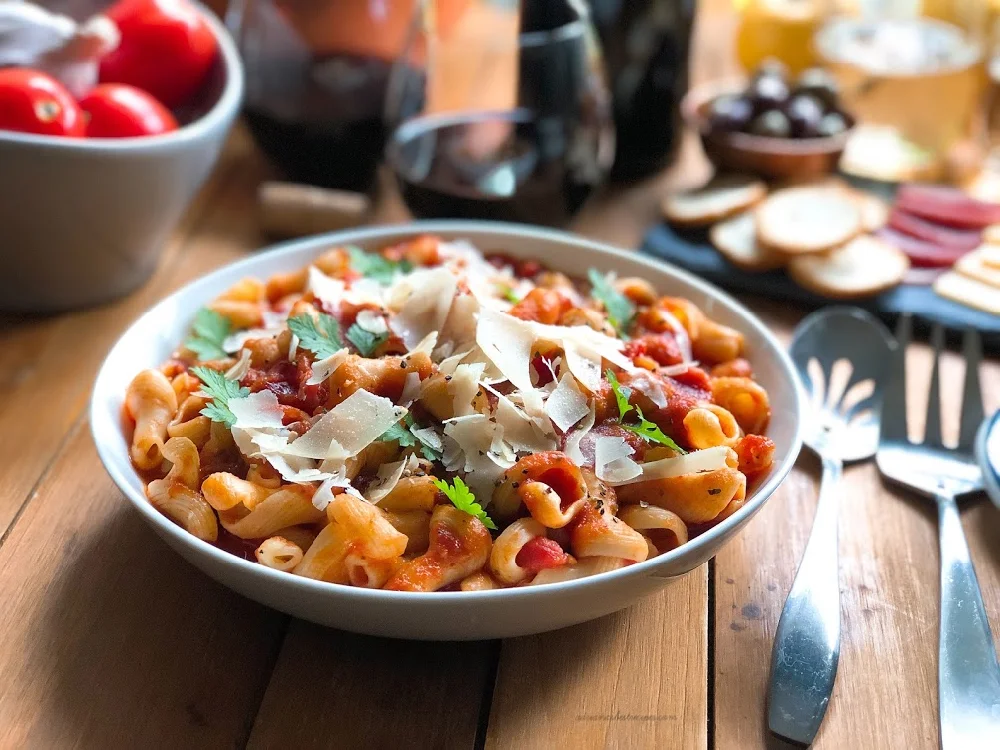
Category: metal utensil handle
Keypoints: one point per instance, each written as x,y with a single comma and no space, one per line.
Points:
968,673
807,643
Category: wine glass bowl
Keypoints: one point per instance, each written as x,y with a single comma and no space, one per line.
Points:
505,115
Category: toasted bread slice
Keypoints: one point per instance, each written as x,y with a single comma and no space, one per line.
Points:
969,292
805,220
975,267
992,234
874,211
736,239
990,255
719,199
864,266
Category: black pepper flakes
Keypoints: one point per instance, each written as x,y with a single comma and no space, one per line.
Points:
447,378
515,485
714,491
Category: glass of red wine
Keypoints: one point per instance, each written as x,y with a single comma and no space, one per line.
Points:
498,109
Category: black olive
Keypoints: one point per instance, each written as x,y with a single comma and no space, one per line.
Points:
832,124
729,112
804,114
819,83
773,124
772,67
767,92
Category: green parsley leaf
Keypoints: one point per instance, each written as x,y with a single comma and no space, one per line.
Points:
619,308
650,432
210,330
320,335
375,266
401,432
510,295
645,429
221,389
463,499
366,341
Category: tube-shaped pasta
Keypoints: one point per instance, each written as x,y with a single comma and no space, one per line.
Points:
665,530
223,491
555,472
745,399
325,558
596,534
756,454
436,398
579,316
334,262
588,566
636,289
716,343
383,377
478,582
710,425
245,290
278,553
263,474
183,457
696,498
281,285
185,507
289,506
374,535
368,573
150,400
459,546
503,556
239,313
198,429
541,305
416,525
412,493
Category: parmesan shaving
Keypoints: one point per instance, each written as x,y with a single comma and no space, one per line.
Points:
464,387
324,368
428,436
348,428
426,345
709,459
256,411
520,430
386,480
325,288
680,333
650,388
572,446
566,405
427,294
611,460
411,389
235,341
239,370
671,370
371,321
507,342
447,366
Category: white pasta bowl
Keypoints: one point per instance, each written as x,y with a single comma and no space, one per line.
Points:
475,615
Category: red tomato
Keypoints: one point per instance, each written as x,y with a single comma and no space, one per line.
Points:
166,49
115,110
34,102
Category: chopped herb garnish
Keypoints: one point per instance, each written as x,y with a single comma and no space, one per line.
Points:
463,499
619,308
319,334
375,266
645,429
366,341
221,389
210,330
510,295
402,433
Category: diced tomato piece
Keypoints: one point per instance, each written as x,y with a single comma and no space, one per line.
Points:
945,237
946,205
541,553
662,348
542,306
756,454
920,252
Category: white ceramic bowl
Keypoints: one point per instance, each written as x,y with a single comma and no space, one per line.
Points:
458,615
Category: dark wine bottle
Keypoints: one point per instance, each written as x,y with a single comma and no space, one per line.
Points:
646,46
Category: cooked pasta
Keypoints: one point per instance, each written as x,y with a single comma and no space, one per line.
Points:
425,418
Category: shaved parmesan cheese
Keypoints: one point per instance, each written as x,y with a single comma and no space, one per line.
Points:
348,428
371,321
326,288
680,333
239,370
427,294
411,389
708,459
293,347
257,411
519,430
324,493
464,387
648,386
566,405
235,341
324,368
460,327
679,369
447,366
428,436
426,345
572,446
507,342
468,448
584,365
611,460
385,481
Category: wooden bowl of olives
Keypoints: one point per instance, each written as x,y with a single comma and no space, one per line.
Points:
772,126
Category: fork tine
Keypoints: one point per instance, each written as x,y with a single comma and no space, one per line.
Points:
972,398
893,422
932,432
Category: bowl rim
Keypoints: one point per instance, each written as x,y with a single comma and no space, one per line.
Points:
699,96
227,104
112,460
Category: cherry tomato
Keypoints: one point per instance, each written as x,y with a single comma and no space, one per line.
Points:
115,110
166,49
34,102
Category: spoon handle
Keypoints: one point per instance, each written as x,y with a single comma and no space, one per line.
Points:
807,643
968,674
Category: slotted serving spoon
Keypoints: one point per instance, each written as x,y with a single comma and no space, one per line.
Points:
840,428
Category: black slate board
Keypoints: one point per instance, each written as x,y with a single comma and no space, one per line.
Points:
693,252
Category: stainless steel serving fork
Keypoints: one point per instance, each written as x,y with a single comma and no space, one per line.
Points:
968,672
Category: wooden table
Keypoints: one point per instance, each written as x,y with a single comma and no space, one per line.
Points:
108,639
